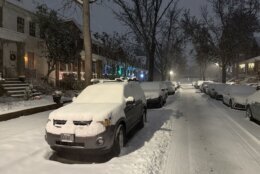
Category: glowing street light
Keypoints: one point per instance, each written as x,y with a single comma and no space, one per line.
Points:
171,74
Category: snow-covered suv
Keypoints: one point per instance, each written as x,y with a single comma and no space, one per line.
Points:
98,119
155,93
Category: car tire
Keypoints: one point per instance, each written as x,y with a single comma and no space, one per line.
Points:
119,141
231,104
142,120
160,103
249,113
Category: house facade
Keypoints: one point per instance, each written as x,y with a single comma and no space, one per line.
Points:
250,67
21,48
20,43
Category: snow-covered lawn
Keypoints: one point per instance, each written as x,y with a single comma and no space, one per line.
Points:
8,105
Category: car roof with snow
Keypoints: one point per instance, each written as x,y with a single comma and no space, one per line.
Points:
241,89
152,85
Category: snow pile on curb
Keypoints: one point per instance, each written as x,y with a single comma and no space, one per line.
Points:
150,158
10,105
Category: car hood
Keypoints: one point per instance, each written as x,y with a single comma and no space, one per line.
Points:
151,94
88,111
240,99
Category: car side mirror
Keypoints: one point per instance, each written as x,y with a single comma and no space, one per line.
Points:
74,98
258,88
130,100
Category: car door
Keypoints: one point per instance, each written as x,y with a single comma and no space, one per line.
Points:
130,108
139,105
255,108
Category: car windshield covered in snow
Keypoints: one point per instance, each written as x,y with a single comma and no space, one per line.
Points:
102,93
151,86
241,89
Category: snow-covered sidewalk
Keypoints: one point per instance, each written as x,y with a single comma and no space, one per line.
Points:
9,105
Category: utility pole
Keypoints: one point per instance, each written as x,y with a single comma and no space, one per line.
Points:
87,41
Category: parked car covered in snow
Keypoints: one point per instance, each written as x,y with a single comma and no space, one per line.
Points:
175,84
198,84
204,86
253,106
98,119
235,95
216,90
155,93
170,87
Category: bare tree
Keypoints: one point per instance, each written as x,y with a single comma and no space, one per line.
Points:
231,29
171,42
143,18
86,34
227,34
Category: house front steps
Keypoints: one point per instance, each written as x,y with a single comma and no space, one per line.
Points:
14,87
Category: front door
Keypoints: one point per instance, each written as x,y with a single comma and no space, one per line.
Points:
11,66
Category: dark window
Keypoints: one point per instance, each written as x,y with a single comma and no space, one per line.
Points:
32,29
20,24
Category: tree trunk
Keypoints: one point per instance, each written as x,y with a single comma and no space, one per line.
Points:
57,74
79,69
87,42
151,57
224,72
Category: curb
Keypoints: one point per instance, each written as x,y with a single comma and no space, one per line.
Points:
30,111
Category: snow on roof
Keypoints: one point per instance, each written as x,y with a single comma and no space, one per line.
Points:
252,60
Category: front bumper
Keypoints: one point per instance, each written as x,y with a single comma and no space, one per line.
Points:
82,144
153,101
239,106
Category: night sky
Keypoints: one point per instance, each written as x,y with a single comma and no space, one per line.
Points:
102,18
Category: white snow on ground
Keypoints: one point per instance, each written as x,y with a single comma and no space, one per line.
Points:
24,150
192,134
8,105
211,138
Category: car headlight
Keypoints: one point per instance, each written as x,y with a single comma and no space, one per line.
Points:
106,122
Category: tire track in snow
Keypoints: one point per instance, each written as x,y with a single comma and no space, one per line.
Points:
243,134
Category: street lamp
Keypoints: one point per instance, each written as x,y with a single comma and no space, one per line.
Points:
171,74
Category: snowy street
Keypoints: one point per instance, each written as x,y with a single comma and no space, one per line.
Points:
191,134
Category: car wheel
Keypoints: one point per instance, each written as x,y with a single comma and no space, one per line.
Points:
119,141
142,120
160,103
231,104
249,114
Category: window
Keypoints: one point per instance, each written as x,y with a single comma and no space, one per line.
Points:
20,24
32,28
